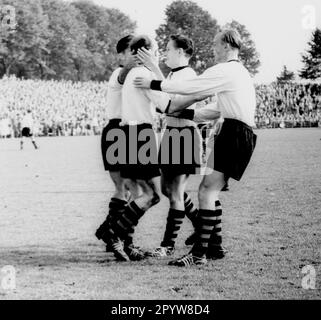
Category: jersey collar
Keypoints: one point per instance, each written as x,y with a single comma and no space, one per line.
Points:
179,68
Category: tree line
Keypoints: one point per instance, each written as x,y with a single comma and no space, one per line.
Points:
311,61
55,39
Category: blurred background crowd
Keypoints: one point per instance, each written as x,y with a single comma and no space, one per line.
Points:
66,108
288,105
59,108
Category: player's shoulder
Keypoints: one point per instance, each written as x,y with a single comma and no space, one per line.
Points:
114,76
189,71
140,71
116,72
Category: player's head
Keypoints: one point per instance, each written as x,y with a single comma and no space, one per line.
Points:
179,50
122,48
28,111
225,42
144,41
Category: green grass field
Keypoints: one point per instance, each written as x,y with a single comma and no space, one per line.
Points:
53,199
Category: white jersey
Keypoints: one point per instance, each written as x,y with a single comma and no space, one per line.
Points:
233,85
180,74
114,99
139,105
27,121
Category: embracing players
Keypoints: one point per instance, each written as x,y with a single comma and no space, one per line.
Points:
233,146
140,159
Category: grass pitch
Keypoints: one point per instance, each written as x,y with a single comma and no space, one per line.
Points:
53,199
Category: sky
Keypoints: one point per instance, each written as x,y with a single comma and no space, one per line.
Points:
280,29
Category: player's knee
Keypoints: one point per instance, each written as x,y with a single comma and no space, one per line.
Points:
203,192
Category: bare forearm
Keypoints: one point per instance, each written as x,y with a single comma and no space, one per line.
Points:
158,73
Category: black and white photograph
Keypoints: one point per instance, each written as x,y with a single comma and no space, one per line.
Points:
160,150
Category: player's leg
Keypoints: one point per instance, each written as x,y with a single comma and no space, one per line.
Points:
116,205
133,188
146,176
121,192
134,191
24,134
124,187
209,218
33,141
173,187
21,142
118,200
134,211
192,214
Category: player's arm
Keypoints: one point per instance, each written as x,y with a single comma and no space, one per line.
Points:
164,102
178,103
149,60
161,100
208,113
210,82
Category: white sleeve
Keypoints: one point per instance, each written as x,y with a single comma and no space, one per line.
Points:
212,81
208,113
160,100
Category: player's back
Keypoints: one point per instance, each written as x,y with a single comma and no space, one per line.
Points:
136,106
114,96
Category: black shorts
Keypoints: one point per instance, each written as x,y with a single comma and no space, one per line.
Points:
180,151
26,132
141,152
233,149
105,144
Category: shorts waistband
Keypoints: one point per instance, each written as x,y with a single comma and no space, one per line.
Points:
115,120
238,122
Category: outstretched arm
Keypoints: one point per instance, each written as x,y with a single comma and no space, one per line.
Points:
204,114
212,81
179,103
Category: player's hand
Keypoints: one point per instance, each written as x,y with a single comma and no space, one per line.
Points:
147,58
141,82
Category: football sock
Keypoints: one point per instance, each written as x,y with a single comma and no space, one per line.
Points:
207,221
174,221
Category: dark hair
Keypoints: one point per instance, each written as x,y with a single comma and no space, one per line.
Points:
231,37
184,43
123,43
139,42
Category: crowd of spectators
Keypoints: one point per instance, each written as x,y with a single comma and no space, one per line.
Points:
65,108
59,108
288,105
